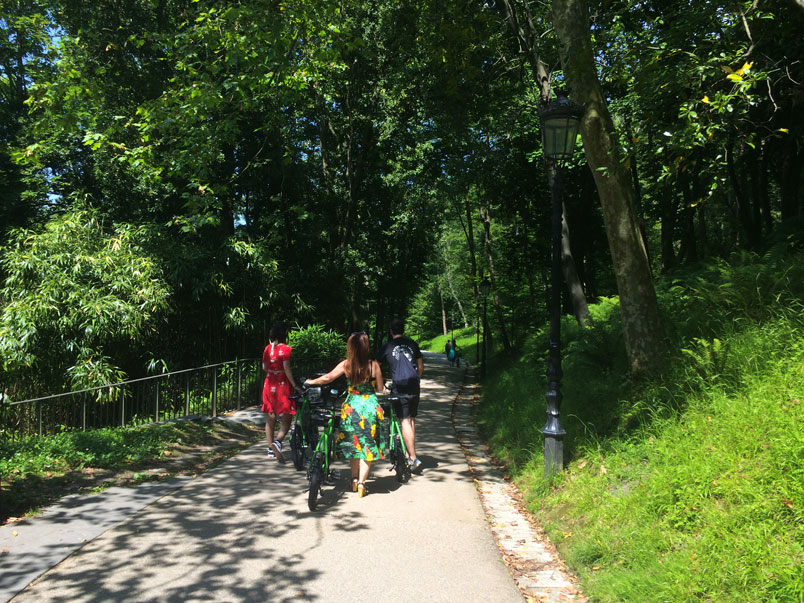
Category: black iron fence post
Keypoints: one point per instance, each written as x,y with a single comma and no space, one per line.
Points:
156,403
214,392
239,373
187,394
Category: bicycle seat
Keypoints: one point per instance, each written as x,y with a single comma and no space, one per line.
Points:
397,396
321,416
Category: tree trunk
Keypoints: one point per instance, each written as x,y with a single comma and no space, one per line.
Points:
751,179
790,180
580,307
702,235
451,285
524,30
485,215
738,185
443,312
576,293
469,233
379,323
638,198
762,190
689,249
668,210
528,270
642,329
584,246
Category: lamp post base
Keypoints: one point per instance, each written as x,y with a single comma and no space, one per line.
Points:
553,455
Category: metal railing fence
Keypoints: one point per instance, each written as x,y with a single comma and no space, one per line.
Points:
204,391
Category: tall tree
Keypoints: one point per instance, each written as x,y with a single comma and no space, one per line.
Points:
25,56
522,24
642,327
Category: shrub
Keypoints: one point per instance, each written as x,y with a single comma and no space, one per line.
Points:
316,349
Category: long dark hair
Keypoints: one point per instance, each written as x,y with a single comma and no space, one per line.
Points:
358,363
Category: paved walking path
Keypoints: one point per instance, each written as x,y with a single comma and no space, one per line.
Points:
242,532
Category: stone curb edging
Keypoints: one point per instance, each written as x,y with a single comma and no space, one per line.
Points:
531,558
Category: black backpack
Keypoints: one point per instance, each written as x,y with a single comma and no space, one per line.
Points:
405,372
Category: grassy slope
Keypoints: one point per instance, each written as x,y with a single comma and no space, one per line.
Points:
688,486
465,338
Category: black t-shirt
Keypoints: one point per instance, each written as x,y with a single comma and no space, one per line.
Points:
401,355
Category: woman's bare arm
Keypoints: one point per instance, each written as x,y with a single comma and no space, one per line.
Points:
330,376
379,384
289,374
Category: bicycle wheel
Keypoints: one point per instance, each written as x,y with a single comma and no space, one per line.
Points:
297,447
316,479
400,464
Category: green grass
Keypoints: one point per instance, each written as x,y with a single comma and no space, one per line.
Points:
688,486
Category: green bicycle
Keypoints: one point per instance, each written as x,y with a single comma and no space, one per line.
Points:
397,452
303,434
327,416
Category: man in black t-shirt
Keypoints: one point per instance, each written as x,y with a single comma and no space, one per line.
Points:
404,358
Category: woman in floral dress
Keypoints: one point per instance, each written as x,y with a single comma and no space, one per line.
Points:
359,438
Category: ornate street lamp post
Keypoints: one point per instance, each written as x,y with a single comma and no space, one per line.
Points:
485,285
559,119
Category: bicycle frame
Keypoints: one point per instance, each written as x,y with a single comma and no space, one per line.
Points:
397,451
318,469
302,433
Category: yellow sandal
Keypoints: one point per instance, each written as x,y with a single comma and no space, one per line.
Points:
354,484
361,490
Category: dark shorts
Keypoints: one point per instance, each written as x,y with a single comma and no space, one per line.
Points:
407,405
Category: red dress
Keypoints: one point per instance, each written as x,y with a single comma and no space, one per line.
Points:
277,386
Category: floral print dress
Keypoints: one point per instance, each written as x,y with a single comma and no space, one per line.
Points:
360,435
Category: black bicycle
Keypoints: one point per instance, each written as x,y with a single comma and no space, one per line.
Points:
328,416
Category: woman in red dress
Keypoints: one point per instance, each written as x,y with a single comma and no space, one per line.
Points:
279,385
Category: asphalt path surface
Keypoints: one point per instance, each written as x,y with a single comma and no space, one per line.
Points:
243,532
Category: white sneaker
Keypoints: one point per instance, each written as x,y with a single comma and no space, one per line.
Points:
277,450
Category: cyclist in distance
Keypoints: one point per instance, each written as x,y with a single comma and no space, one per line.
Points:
279,385
405,361
359,436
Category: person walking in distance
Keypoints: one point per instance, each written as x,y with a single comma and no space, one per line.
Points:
404,358
279,385
455,354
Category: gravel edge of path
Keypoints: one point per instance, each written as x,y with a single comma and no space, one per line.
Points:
532,559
